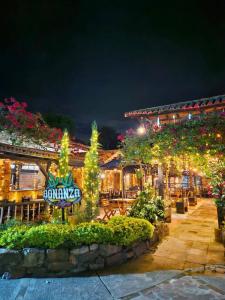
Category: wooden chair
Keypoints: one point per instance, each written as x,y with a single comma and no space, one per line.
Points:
109,211
124,207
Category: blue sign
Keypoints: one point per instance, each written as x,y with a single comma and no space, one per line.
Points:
62,192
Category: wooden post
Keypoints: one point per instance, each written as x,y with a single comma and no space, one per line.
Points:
141,177
160,181
33,216
8,213
63,215
1,215
17,172
122,182
28,212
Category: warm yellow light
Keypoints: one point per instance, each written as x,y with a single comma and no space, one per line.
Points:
141,130
102,175
218,135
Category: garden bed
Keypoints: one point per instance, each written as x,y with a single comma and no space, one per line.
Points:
69,261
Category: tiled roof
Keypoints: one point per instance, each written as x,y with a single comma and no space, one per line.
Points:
180,106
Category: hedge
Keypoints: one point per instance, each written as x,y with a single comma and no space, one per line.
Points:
119,231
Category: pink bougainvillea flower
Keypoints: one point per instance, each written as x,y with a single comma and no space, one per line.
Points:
156,127
24,104
30,126
16,118
12,99
120,137
130,131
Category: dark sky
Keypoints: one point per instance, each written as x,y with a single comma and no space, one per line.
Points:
94,60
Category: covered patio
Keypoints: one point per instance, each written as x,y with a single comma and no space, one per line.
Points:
179,177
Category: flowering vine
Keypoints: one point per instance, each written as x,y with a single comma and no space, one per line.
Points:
24,126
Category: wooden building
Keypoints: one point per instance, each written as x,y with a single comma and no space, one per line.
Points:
174,113
24,169
178,111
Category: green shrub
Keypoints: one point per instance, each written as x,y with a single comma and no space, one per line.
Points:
148,206
47,236
119,231
89,233
127,230
10,223
13,237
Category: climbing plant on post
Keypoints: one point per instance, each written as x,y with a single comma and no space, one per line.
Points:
64,161
91,176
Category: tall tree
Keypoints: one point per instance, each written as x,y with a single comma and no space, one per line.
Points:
91,176
64,155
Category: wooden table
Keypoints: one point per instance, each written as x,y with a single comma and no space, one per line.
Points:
131,194
104,195
123,204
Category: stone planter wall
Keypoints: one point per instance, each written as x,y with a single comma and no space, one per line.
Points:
65,262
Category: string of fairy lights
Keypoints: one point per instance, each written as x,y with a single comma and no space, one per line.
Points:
64,156
91,169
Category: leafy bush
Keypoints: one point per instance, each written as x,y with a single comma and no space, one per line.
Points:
13,237
118,231
127,230
88,233
148,206
10,223
47,236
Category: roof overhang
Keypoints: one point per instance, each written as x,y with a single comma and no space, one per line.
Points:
211,104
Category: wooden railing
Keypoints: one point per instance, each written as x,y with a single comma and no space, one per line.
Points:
23,211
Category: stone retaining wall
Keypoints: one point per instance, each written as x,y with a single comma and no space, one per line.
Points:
64,262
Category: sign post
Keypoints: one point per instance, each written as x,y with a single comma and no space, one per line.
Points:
62,192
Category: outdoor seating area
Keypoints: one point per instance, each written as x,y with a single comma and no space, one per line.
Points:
112,150
182,199
118,206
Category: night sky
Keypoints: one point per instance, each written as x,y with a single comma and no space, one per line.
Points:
94,60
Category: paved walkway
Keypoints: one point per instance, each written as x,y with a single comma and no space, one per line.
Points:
191,243
154,276
157,285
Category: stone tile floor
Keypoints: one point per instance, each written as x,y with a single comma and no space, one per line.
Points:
157,275
190,244
154,285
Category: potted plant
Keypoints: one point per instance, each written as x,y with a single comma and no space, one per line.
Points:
192,199
218,190
223,233
148,206
181,206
